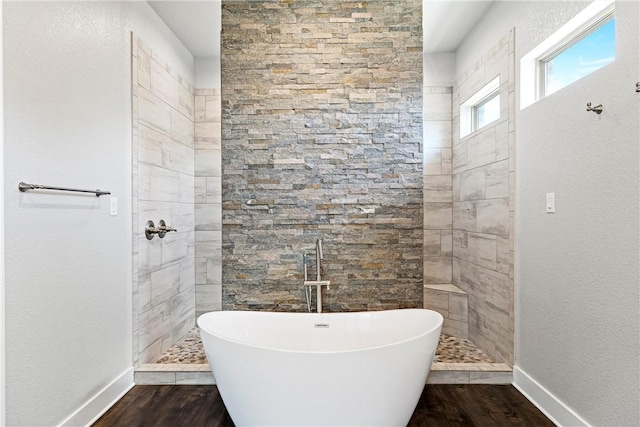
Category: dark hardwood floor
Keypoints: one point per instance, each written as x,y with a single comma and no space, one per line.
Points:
439,405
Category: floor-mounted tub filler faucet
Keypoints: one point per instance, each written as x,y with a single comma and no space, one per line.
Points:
319,256
318,283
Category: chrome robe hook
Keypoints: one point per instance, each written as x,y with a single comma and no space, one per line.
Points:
597,109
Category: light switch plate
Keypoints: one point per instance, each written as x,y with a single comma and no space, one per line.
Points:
114,206
551,202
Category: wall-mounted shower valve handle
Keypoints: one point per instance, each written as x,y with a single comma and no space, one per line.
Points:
150,229
163,228
166,228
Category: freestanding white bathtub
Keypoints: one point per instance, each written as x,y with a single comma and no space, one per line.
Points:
329,369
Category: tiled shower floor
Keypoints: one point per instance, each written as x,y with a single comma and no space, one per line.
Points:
450,350
457,361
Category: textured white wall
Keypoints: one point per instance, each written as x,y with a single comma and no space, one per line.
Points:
437,69
68,263
207,69
534,21
206,72
2,328
577,270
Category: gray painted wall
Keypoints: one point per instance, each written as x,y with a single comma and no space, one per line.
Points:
68,262
577,270
322,137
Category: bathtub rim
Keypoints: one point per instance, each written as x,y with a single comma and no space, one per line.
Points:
432,329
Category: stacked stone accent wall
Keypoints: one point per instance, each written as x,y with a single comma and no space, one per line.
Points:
322,138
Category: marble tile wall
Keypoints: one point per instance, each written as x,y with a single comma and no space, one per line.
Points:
483,166
322,137
163,188
208,200
438,190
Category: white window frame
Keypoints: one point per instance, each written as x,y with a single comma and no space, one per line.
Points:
532,73
580,34
468,109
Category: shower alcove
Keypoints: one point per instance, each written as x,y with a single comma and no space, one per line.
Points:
187,142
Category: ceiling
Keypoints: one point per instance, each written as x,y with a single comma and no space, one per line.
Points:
197,23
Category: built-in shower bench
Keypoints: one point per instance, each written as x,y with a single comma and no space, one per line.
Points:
450,301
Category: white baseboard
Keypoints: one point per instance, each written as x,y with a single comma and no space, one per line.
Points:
550,405
97,405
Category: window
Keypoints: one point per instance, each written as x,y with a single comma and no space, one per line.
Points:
580,47
587,52
480,109
486,111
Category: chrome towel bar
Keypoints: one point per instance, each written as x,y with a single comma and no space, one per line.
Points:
23,186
